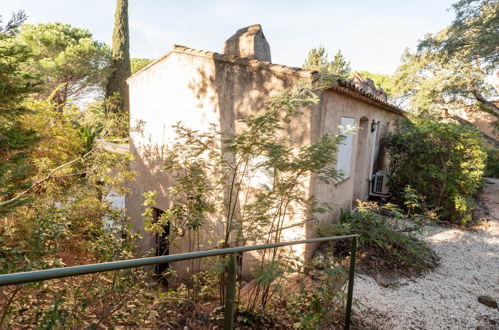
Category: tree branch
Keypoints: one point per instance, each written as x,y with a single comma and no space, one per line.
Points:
46,178
491,107
463,121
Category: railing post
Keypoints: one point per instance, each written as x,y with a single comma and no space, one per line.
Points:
230,293
351,276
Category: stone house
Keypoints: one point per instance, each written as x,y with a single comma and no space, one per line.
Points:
201,87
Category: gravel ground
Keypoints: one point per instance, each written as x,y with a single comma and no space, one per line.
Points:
445,298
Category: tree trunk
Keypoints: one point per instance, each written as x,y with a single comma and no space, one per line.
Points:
487,138
489,106
120,69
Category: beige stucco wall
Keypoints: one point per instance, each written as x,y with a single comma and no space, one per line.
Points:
199,91
341,195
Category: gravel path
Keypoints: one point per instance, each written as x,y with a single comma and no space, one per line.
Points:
445,298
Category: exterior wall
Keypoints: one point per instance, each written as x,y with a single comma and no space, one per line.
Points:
334,106
198,91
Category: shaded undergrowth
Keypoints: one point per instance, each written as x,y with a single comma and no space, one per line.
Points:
387,242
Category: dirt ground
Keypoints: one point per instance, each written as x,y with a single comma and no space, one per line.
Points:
447,297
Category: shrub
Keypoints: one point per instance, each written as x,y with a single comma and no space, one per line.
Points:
317,300
386,241
492,164
443,162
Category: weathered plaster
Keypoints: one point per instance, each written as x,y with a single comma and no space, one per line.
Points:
200,88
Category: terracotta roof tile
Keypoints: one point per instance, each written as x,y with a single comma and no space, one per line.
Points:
348,88
344,86
247,61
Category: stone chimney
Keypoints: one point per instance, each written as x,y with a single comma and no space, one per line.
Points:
249,42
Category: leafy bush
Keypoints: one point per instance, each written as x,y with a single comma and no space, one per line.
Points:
386,242
441,161
317,301
68,220
492,164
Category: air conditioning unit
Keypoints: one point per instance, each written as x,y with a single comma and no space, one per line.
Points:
379,185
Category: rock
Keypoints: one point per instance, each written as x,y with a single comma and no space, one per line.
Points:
487,301
383,280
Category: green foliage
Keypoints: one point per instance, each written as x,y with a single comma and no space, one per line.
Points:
88,136
317,59
316,303
492,163
120,66
16,140
201,163
380,80
473,33
70,63
114,126
386,241
442,162
69,222
339,66
62,213
138,64
450,69
249,182
70,303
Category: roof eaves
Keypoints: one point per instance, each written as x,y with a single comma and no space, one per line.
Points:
161,58
247,62
348,88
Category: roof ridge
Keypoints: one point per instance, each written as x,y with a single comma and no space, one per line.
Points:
342,86
246,61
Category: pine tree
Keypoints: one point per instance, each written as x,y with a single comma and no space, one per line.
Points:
339,66
317,60
70,63
16,141
120,68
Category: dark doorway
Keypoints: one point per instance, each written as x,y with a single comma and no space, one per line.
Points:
162,246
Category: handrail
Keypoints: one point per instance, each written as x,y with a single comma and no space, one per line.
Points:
48,274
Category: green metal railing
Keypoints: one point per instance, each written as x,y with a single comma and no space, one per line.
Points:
48,274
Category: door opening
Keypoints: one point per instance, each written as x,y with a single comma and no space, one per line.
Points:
162,243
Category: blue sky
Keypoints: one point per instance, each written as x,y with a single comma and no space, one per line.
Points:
371,34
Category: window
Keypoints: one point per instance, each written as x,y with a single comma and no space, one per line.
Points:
345,149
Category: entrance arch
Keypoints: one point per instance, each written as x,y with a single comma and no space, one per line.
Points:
362,157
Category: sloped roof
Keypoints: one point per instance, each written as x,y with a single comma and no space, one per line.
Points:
347,88
344,86
235,60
